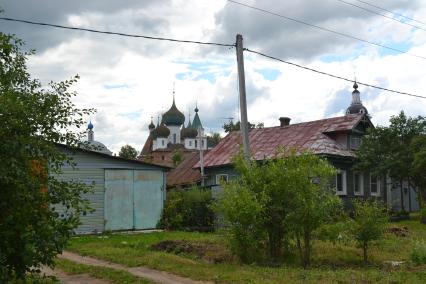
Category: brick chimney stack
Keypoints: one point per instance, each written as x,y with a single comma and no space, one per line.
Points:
285,121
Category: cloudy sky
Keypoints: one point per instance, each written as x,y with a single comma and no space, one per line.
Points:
130,80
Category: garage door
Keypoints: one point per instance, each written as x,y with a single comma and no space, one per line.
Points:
133,199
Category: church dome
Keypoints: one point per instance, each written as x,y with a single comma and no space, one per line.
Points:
97,146
161,131
188,132
173,116
151,126
356,106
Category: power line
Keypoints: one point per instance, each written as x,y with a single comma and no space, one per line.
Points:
326,29
116,33
389,11
380,14
331,75
217,44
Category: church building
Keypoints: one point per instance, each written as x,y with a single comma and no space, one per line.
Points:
171,136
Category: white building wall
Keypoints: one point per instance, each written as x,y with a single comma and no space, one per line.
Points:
174,130
189,143
159,143
203,143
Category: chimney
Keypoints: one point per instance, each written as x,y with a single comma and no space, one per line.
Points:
285,121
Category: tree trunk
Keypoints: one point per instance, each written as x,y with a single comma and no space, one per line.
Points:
307,253
402,197
275,244
364,248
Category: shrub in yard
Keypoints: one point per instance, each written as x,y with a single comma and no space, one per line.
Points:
418,253
336,232
369,223
188,210
242,216
281,197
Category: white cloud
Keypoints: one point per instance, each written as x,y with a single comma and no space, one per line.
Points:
130,80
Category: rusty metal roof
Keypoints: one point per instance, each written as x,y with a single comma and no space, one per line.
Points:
311,135
185,173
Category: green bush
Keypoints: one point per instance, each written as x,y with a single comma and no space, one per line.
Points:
281,199
418,253
337,232
369,223
242,215
188,210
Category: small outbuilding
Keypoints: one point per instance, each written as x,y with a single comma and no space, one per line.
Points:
127,194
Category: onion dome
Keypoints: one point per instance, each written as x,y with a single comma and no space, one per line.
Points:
173,116
90,125
188,132
356,104
161,131
151,126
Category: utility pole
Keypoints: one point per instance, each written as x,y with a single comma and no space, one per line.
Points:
201,155
243,102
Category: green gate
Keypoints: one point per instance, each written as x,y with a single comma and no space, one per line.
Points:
133,199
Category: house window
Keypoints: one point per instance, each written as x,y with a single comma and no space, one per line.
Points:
358,183
195,143
355,142
162,142
341,182
374,185
190,143
202,143
221,178
174,138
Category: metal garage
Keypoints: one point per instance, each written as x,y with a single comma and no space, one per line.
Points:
128,194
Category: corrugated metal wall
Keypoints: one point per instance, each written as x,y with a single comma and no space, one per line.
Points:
90,169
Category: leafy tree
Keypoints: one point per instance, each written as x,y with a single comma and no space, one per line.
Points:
276,199
128,152
213,139
229,127
369,224
316,202
177,157
392,150
32,120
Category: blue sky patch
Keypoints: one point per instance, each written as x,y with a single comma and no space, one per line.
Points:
131,115
269,74
403,45
204,70
116,86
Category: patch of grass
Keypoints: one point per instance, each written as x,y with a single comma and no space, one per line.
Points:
109,274
332,263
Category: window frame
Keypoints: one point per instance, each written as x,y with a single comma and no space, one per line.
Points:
344,190
219,176
378,184
361,183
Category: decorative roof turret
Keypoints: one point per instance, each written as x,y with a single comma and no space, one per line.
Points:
356,104
93,145
173,116
151,126
196,123
161,131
